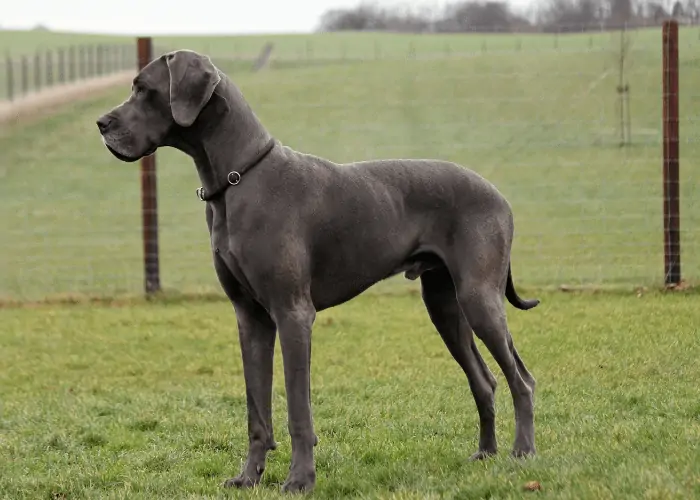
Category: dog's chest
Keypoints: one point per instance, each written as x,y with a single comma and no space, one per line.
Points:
222,246
219,236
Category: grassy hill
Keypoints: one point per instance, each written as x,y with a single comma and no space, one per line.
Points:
348,45
539,121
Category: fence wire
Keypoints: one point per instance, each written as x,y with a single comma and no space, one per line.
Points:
28,73
568,127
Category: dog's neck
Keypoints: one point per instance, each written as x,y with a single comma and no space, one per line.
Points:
226,136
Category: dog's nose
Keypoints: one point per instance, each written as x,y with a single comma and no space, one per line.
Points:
103,123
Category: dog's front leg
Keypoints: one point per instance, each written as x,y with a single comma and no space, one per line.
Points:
257,338
294,325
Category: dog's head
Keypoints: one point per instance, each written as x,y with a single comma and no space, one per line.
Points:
170,91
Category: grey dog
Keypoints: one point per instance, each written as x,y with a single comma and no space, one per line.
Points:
293,234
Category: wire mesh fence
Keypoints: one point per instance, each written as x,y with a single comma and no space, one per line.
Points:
23,74
570,131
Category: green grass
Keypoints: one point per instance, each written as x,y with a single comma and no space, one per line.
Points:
337,45
541,125
317,48
148,401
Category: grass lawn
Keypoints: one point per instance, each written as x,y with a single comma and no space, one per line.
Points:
147,401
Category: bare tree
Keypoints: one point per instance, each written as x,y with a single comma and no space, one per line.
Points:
572,15
692,11
480,16
497,15
364,17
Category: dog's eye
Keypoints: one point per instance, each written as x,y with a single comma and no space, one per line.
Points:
139,90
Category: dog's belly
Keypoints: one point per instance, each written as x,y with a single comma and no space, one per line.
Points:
328,292
335,286
350,259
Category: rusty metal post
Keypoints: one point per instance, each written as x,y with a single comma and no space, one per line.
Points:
672,234
149,206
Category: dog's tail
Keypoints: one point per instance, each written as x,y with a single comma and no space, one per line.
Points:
514,298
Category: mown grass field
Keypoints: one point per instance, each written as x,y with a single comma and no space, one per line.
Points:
146,400
541,124
333,45
135,399
342,46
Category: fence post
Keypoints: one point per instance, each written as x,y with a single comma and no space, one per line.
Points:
672,234
98,60
90,63
10,77
126,59
25,75
71,63
37,71
149,208
49,68
61,65
107,56
82,62
111,58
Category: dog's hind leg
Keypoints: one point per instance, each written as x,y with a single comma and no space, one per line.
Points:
480,281
484,308
522,369
441,301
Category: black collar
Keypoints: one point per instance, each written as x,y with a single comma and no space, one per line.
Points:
234,176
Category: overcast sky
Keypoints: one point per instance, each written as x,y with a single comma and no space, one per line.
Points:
180,16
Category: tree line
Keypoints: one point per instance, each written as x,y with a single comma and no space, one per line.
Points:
497,16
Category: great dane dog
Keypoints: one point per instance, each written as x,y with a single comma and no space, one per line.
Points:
293,234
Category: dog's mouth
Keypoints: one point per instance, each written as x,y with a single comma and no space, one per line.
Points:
125,158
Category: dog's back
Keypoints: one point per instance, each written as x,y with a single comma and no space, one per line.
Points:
414,188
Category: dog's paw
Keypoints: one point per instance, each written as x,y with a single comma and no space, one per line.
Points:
241,482
299,483
482,455
524,452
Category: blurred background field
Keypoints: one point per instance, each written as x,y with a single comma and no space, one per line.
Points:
537,114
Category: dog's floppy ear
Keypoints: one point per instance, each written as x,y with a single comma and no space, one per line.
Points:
193,78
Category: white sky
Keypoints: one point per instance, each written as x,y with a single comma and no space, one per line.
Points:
180,16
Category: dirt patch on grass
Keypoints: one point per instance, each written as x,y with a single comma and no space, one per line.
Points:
45,102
